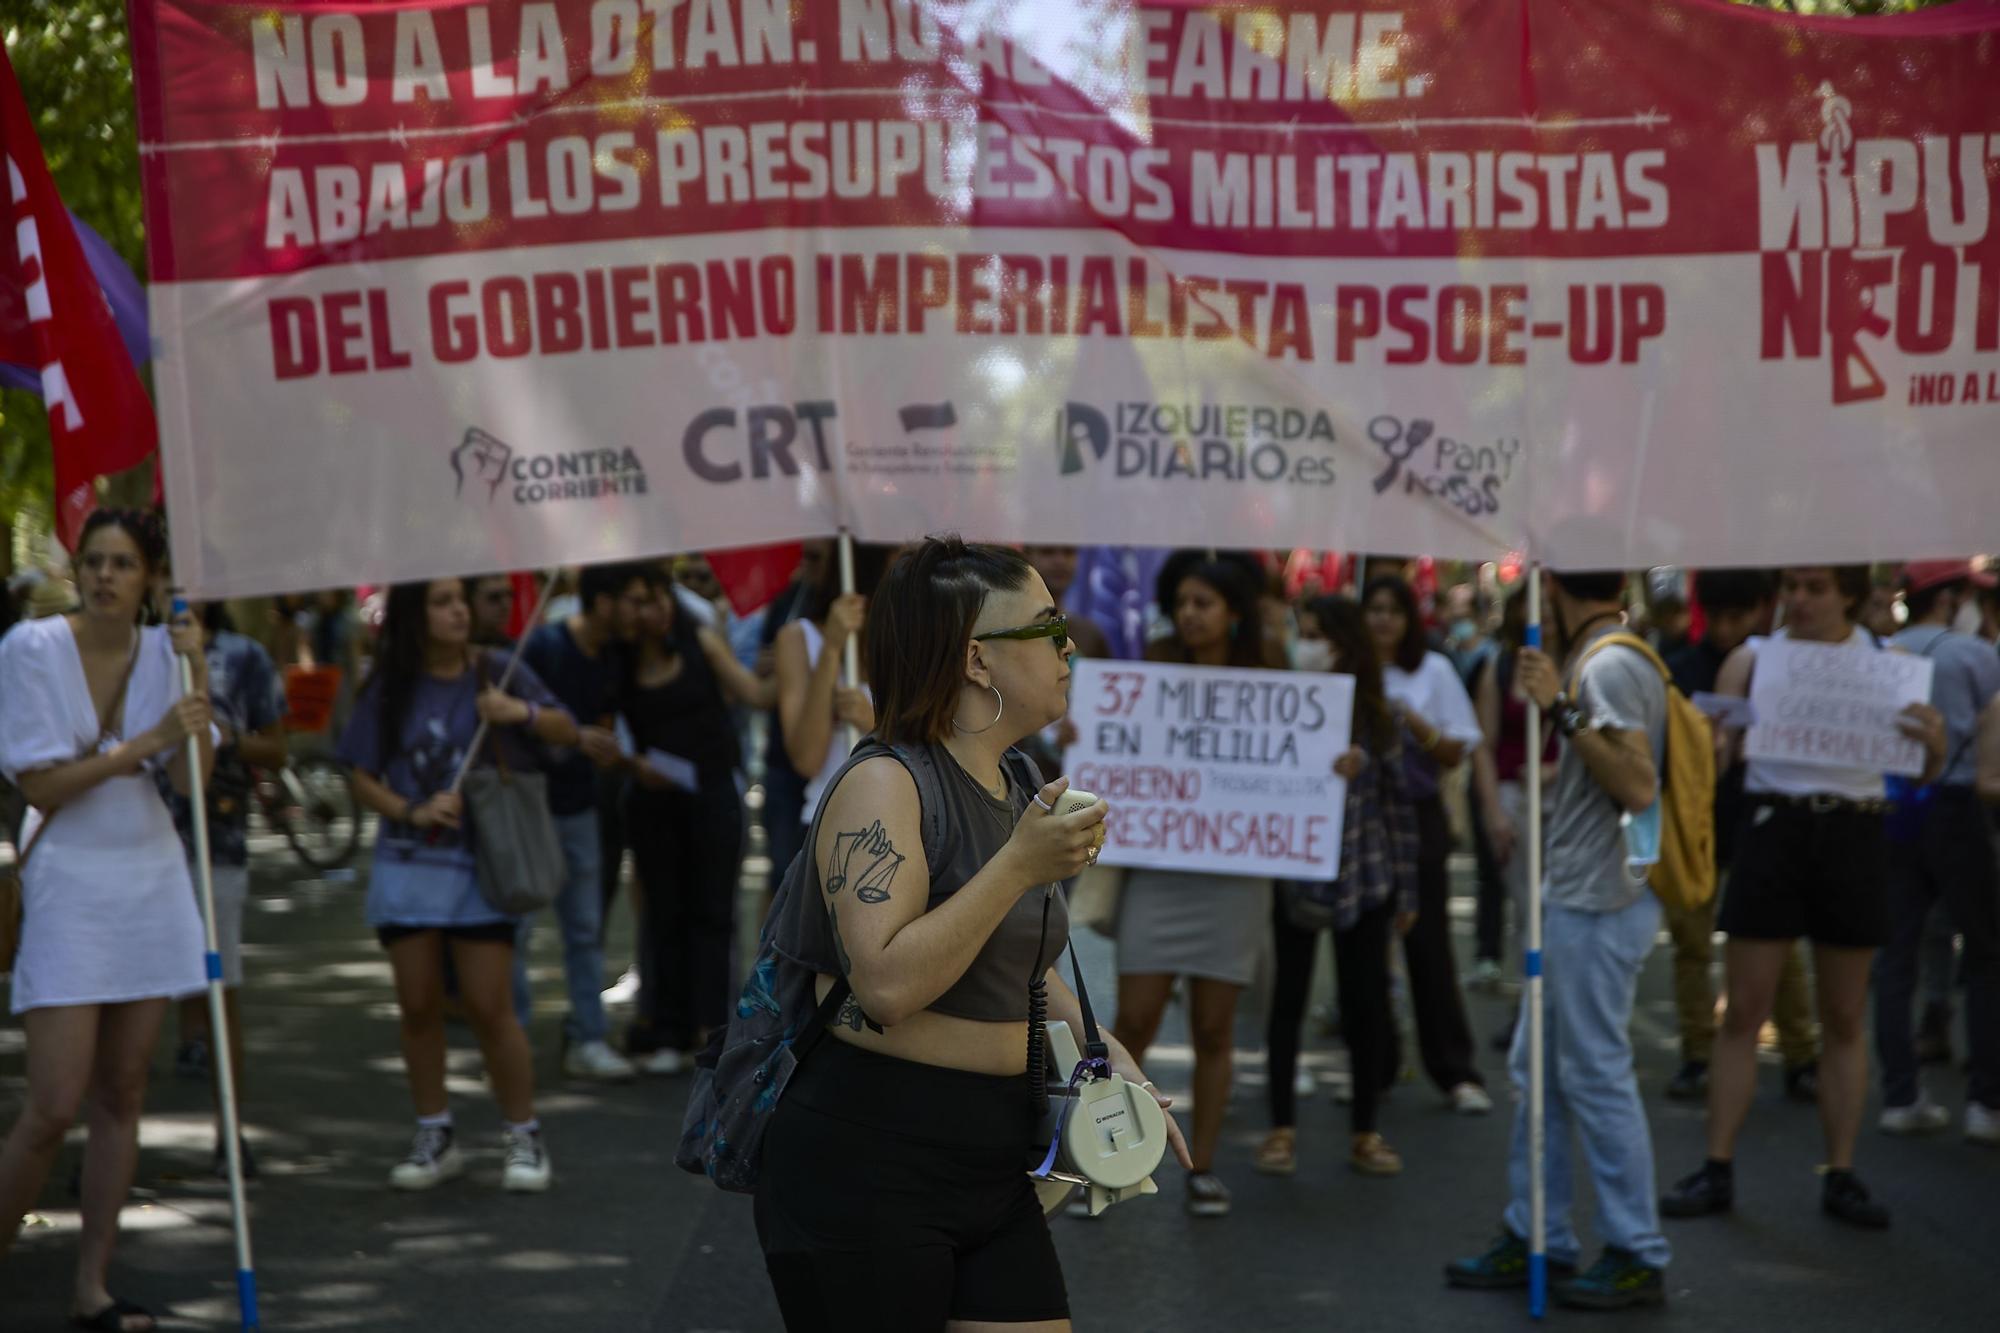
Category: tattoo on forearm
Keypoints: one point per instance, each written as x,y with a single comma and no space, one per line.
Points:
866,860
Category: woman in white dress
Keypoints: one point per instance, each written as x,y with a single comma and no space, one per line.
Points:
110,931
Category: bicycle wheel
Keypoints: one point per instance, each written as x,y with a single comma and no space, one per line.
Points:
326,827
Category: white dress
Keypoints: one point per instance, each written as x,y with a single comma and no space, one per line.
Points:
109,910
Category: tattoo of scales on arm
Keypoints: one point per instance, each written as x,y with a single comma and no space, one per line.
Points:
866,860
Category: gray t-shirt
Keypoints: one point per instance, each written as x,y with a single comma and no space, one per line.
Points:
1964,682
1619,690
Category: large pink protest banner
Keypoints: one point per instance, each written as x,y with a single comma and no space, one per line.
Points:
449,286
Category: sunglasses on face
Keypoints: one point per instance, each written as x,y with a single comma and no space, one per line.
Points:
1056,628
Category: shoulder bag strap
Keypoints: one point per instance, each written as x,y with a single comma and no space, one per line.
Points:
107,722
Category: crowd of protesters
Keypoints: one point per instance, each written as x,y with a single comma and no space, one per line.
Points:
631,695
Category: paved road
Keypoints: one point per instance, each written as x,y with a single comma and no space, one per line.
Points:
627,1242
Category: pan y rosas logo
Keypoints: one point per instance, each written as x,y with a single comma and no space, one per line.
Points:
1227,442
484,461
1873,243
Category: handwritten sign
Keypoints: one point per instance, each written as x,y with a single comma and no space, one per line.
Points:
1206,769
1835,706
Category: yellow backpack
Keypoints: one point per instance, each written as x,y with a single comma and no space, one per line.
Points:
1685,876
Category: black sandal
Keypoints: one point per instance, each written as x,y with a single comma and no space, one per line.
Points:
111,1319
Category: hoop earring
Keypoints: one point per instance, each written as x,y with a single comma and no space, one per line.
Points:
998,699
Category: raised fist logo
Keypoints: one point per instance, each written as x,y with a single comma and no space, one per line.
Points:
481,457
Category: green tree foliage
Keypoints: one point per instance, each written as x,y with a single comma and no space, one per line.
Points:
74,62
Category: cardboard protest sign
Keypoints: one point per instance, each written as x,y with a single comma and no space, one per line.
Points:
1835,706
1225,771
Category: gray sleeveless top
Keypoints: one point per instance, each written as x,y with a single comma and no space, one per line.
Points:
965,826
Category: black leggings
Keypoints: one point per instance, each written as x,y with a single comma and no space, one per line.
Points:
689,851
1361,968
1443,1034
894,1197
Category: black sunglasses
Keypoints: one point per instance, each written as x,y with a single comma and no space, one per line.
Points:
1056,628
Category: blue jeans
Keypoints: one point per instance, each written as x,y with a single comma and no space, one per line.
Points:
580,910
1591,963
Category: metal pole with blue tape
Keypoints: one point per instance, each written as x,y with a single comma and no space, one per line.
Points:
218,1012
1538,1194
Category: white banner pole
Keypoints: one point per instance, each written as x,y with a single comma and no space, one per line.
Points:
1538,1202
506,677
850,659
218,1011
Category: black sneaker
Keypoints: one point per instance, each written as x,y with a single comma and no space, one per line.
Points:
1848,1199
1691,1083
1617,1281
1712,1189
1503,1266
1802,1083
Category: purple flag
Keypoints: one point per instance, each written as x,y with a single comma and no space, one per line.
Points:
122,293
1114,587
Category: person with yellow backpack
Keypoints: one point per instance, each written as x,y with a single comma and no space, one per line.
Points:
1629,822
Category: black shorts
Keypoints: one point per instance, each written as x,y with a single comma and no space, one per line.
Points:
497,932
894,1196
1806,874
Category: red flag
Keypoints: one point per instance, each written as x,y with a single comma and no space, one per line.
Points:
753,575
53,317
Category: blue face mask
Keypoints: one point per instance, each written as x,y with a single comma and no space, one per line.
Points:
1642,837
1461,630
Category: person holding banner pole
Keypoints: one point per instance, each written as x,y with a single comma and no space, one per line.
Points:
416,721
1812,862
110,930
1443,727
1596,922
814,702
1208,928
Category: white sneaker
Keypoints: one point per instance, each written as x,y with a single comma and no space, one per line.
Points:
596,1060
1470,1099
667,1063
1923,1116
433,1159
1486,976
1982,1125
624,990
527,1170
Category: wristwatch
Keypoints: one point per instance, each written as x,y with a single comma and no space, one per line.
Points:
1568,717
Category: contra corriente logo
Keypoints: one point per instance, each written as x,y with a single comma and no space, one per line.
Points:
580,474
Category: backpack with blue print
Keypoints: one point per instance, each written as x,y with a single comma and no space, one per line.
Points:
747,1066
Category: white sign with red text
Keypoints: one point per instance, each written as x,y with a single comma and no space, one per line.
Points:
1222,770
442,287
